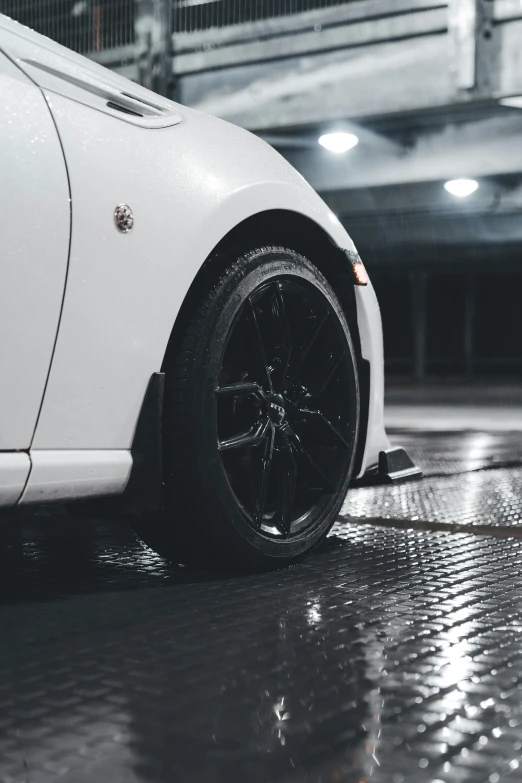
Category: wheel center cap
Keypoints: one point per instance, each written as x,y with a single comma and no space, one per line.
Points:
276,410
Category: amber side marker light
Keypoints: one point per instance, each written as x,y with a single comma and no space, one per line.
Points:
360,273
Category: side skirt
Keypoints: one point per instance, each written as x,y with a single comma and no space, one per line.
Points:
65,474
14,470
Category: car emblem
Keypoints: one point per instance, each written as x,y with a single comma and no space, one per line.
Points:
124,217
278,413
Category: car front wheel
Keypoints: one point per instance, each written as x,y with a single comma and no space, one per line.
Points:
261,414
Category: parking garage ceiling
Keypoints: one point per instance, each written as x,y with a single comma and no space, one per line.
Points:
424,84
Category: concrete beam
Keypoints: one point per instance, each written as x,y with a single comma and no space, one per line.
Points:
311,41
480,149
423,221
507,10
369,59
372,80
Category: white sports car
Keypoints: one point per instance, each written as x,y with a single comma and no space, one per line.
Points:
184,325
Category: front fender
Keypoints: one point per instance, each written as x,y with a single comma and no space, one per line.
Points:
188,187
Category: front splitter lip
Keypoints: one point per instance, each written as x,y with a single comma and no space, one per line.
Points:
394,467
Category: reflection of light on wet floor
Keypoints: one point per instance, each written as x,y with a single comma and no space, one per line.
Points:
489,499
472,499
313,614
455,664
453,417
479,446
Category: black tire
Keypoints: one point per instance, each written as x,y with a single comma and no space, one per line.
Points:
261,415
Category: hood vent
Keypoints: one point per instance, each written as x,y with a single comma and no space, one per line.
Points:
104,94
124,109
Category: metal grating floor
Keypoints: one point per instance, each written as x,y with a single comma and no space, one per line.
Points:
390,654
483,502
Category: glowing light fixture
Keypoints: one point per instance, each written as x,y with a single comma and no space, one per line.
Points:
338,142
461,187
515,101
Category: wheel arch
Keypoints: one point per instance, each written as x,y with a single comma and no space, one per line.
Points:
287,228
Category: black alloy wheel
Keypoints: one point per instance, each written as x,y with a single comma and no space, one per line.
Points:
261,415
284,430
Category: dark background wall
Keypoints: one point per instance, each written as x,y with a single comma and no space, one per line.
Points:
450,323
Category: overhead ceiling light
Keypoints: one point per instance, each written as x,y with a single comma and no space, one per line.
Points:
461,187
515,101
338,142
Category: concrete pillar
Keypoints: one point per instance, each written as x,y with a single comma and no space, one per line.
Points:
473,46
154,53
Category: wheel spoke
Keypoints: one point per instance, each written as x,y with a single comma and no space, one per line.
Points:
331,368
253,437
286,485
282,337
323,426
308,461
242,389
261,486
261,356
306,346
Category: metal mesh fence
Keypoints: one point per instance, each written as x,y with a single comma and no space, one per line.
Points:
192,15
82,25
97,25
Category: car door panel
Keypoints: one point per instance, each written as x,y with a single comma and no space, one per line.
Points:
34,246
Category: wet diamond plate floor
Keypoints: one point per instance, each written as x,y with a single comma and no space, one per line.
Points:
460,452
489,502
390,655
